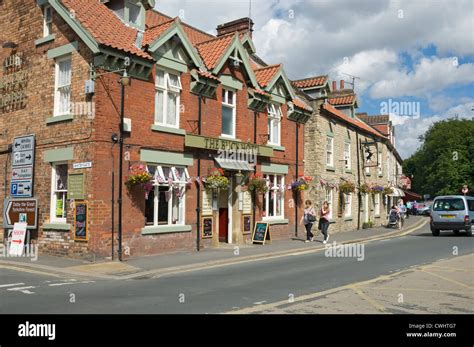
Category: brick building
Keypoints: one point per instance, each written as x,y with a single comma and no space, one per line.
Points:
336,145
194,102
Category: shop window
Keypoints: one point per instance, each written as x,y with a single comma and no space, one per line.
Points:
167,98
47,20
58,193
228,113
62,94
329,199
273,200
329,151
274,124
165,204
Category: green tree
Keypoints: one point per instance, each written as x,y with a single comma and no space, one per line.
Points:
445,160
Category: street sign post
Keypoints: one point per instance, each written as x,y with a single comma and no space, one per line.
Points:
23,160
20,210
17,245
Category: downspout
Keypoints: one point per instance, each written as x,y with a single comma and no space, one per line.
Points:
297,172
198,203
359,198
122,111
254,195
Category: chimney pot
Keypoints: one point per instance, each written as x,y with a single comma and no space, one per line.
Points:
239,25
334,85
342,84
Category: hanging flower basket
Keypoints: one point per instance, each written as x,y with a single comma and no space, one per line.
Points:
377,190
347,187
140,177
387,191
258,184
216,180
364,189
301,184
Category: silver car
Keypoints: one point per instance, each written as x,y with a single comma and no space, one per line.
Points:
452,212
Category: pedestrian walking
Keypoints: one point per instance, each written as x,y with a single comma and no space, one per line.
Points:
324,220
308,219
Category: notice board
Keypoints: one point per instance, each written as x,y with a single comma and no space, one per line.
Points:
261,233
207,226
81,232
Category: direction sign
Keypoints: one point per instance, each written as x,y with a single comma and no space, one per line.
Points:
17,245
21,189
20,210
24,143
22,173
23,158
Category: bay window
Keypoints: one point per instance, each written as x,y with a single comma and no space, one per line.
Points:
273,199
274,124
62,89
167,98
165,203
228,113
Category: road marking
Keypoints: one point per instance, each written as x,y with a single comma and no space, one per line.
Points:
67,283
36,272
445,278
24,290
260,302
420,290
11,285
371,301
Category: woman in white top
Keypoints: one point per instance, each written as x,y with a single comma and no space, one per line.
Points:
308,219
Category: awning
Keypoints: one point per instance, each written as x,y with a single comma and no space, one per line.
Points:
397,192
232,164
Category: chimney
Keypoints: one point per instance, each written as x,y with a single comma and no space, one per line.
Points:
238,25
334,85
342,85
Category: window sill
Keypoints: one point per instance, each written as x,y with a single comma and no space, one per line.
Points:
348,171
275,221
151,230
377,216
347,219
330,168
230,138
45,39
367,174
57,119
170,130
381,176
276,147
57,226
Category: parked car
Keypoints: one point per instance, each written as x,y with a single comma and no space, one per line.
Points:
423,210
453,212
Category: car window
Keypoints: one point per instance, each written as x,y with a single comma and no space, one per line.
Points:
448,205
470,203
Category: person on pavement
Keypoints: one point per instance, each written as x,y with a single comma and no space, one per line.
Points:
308,219
324,220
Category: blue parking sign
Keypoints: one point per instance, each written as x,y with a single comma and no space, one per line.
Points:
14,188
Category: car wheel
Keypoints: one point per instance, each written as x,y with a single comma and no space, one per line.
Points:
469,232
435,232
456,232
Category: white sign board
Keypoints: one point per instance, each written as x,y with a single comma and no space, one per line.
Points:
84,165
17,245
23,158
22,188
22,173
24,143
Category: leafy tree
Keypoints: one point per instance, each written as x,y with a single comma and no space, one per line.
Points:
445,161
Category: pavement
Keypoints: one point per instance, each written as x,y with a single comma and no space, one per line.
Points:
432,274
226,254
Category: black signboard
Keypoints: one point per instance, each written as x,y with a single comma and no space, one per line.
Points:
247,224
207,227
261,233
80,222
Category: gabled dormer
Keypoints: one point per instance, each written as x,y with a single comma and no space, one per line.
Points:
131,12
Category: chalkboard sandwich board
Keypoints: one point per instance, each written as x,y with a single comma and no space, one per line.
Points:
261,233
207,227
80,222
246,224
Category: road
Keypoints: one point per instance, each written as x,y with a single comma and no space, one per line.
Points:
244,288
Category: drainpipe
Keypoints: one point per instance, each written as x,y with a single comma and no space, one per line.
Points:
297,172
122,111
198,204
359,197
7,151
254,195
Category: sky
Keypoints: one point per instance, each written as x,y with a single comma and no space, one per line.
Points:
413,59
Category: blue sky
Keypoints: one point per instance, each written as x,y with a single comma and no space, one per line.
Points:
418,51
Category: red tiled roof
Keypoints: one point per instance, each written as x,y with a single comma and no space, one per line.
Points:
342,100
104,26
153,33
261,92
265,74
354,121
383,128
154,18
376,119
207,75
211,51
301,104
316,81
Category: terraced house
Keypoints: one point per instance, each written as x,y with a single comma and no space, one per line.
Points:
352,162
115,84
